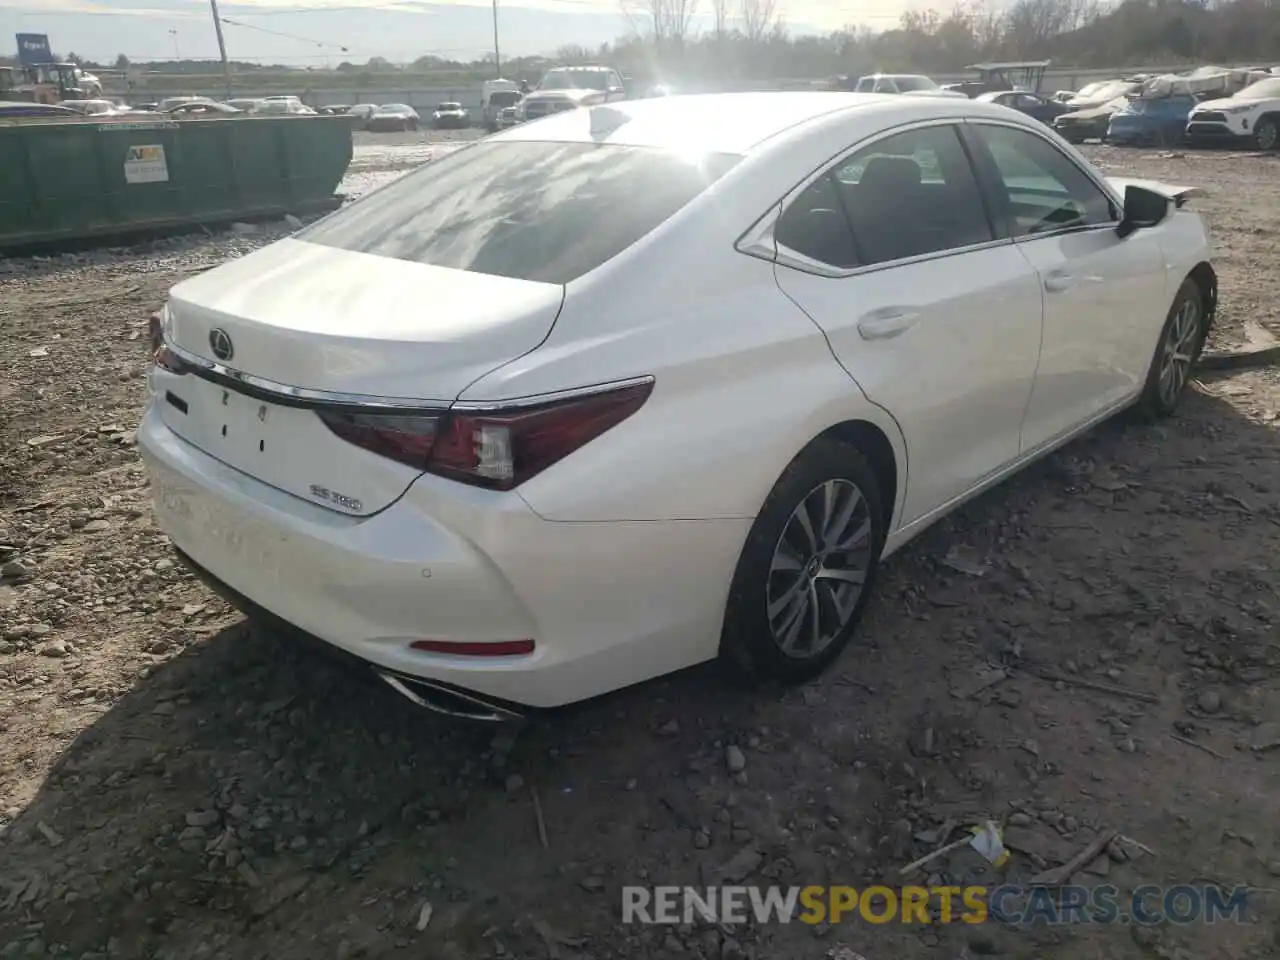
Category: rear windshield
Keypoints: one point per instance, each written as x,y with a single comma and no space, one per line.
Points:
540,211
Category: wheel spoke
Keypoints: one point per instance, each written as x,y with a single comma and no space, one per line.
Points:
806,524
815,632
793,591
859,535
835,530
833,593
844,576
790,632
784,560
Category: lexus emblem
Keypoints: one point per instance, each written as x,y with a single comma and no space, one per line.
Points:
220,342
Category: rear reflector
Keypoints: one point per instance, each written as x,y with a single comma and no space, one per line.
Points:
498,447
500,648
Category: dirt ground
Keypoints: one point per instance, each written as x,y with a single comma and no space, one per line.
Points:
174,785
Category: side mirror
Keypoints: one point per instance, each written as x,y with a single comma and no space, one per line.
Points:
1142,208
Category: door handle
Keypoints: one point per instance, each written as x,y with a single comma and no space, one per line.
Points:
888,322
1059,280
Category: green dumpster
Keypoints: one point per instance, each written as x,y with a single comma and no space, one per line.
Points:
62,180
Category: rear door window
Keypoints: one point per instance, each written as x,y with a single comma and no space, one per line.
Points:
912,194
541,211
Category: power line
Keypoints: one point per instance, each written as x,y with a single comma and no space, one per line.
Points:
287,36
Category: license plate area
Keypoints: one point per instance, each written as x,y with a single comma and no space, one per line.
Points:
286,447
239,430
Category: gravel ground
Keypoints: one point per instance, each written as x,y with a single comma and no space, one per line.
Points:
174,784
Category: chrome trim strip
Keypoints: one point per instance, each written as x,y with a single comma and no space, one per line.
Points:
538,399
302,395
759,242
212,369
797,261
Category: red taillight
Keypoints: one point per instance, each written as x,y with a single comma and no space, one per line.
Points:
500,648
161,355
498,448
406,439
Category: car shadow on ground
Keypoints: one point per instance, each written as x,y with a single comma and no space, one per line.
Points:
248,798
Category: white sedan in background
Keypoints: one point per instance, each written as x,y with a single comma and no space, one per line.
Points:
621,390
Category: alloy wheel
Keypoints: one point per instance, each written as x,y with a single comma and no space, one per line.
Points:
1179,351
1268,134
819,568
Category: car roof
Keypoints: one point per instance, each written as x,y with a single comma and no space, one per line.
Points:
726,122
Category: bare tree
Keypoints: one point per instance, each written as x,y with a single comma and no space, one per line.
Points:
667,22
719,18
759,19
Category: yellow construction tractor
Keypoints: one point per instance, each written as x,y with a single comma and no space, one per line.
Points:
48,83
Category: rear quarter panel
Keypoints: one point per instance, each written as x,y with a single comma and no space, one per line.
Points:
743,381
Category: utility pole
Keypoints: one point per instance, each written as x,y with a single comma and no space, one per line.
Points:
497,59
222,47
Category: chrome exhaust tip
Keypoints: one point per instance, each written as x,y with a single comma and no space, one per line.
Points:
448,701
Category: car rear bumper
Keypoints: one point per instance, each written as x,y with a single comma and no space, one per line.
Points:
607,604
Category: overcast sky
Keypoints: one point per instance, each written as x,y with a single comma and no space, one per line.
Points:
315,31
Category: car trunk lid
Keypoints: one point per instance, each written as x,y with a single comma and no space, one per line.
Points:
297,327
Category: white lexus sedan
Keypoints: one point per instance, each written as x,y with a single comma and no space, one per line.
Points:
640,385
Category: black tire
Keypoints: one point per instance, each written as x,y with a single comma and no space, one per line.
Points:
1160,397
1267,133
747,642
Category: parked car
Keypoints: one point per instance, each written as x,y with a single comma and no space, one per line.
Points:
1077,126
905,83
168,103
1151,121
334,110
1032,104
202,109
1251,115
281,107
569,88
91,108
450,116
244,104
393,117
492,535
26,110
360,114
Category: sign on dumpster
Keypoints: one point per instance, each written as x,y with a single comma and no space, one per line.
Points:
145,163
34,48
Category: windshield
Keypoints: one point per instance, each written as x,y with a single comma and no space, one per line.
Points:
505,98
915,83
449,106
565,79
1261,90
272,106
528,210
